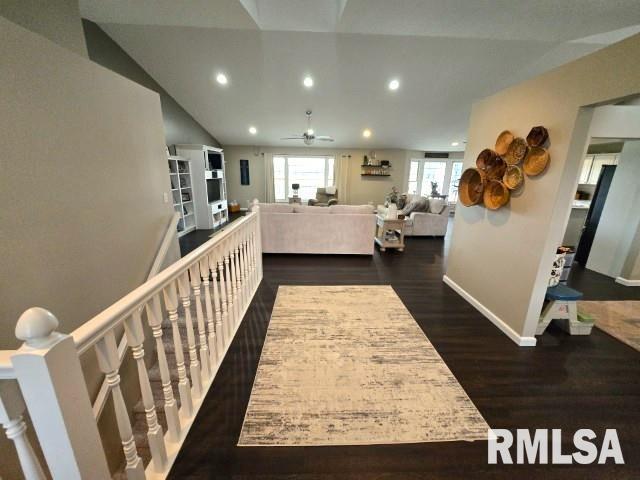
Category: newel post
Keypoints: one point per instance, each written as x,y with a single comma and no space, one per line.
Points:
53,387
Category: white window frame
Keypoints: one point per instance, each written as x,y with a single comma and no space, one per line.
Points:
286,171
444,188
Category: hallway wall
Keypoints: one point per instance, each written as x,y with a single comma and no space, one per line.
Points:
179,125
614,239
57,20
500,260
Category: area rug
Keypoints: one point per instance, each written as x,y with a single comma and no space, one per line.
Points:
619,319
348,365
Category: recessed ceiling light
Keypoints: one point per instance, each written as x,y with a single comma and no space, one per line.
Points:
308,81
455,144
394,84
253,130
366,133
222,79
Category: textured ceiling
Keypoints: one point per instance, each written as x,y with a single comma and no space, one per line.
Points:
446,53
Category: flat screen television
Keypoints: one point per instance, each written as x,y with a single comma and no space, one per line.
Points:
213,190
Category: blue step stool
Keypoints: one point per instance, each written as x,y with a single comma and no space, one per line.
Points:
562,305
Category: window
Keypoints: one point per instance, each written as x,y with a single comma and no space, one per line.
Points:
442,171
423,172
456,173
310,172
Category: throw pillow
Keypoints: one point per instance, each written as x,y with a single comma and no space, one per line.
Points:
437,205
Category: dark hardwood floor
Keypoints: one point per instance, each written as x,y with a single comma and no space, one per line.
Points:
565,382
595,286
193,240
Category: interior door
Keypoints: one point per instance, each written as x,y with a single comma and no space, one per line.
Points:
595,212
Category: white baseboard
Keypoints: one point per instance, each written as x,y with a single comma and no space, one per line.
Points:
628,283
497,321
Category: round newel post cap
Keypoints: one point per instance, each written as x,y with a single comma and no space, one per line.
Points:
35,326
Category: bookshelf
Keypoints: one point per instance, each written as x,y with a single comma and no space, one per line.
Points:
182,193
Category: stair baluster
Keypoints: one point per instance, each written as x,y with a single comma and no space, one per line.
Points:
107,353
12,408
230,300
205,360
194,365
154,318
184,388
205,273
155,435
233,263
224,302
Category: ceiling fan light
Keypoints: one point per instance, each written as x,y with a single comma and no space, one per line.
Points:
310,131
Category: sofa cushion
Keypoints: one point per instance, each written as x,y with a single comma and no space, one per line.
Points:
310,209
437,205
346,209
276,207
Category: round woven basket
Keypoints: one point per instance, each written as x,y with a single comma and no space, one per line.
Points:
538,136
516,152
484,157
495,168
496,195
513,178
536,161
503,141
471,187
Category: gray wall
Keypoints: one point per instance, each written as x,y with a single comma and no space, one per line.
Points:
507,275
179,126
57,20
84,176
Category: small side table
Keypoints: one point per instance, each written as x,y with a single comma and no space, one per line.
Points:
384,225
297,200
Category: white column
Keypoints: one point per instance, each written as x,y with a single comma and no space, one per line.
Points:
53,387
205,273
258,242
205,360
154,318
11,410
135,338
194,364
107,353
184,389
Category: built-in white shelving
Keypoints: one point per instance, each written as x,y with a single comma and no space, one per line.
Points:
208,174
182,192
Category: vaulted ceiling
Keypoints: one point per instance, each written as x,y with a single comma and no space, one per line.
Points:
445,53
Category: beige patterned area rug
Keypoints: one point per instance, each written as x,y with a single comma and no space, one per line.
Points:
348,365
619,319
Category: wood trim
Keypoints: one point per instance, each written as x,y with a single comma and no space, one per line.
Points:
497,321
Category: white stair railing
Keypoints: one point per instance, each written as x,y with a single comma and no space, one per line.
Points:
224,273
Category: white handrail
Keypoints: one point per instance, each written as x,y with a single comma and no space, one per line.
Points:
93,330
170,234
206,293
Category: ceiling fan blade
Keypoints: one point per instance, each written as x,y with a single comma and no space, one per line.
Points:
324,138
295,137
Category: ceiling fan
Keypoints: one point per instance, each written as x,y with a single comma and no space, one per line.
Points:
309,135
